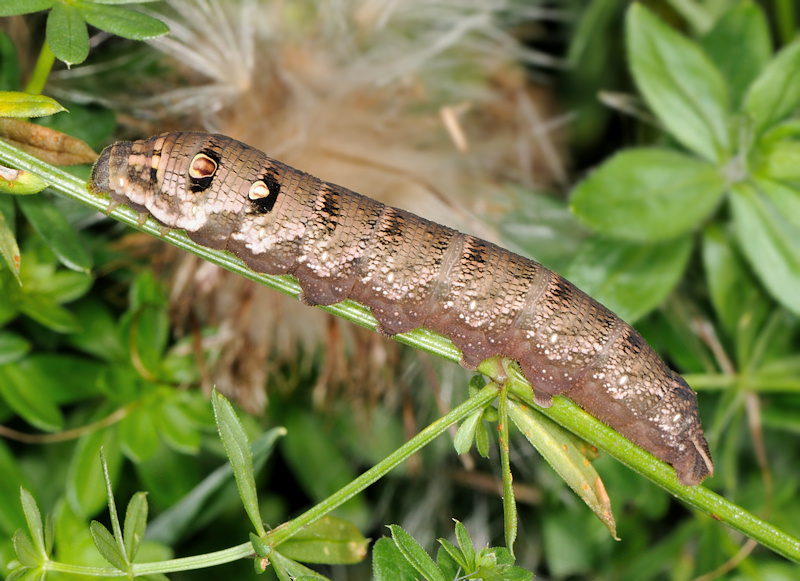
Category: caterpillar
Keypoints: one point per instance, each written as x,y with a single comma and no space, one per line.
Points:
411,273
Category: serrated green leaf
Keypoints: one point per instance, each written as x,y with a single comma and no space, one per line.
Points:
330,540
107,545
682,86
775,94
25,551
415,554
34,519
57,232
238,450
12,347
25,397
466,432
630,279
745,27
67,35
769,241
465,544
122,22
648,194
135,524
388,563
557,446
17,7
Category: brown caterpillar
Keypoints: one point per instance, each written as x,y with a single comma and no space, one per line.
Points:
412,273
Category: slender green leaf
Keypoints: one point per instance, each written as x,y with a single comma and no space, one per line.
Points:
86,490
12,347
509,501
775,94
177,428
138,434
416,555
67,34
59,234
34,519
648,194
466,432
329,540
261,548
25,551
25,396
107,545
122,22
769,241
289,570
135,524
740,45
455,559
16,7
12,516
46,312
9,248
173,523
630,279
238,450
388,563
465,544
557,446
112,509
786,199
682,86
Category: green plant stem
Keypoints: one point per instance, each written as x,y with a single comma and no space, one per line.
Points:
562,411
478,401
41,71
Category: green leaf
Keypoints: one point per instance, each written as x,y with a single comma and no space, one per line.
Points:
775,94
138,434
173,523
732,289
289,570
67,34
466,432
20,183
122,22
99,334
509,501
25,551
9,248
86,490
46,312
780,160
56,231
785,198
238,450
648,194
769,241
34,519
630,279
105,543
16,7
12,347
329,540
388,563
135,524
415,554
25,105
682,86
557,446
177,427
454,559
12,516
740,45
25,396
465,544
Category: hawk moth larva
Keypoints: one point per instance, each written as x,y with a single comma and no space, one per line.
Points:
412,272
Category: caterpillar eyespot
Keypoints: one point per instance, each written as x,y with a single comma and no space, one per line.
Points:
411,273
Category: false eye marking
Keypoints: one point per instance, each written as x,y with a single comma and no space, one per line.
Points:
202,169
264,193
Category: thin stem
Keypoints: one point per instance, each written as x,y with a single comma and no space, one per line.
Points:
478,401
41,71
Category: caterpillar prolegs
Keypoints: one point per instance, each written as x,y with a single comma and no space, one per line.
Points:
412,273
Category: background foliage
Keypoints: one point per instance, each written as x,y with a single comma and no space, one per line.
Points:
686,208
